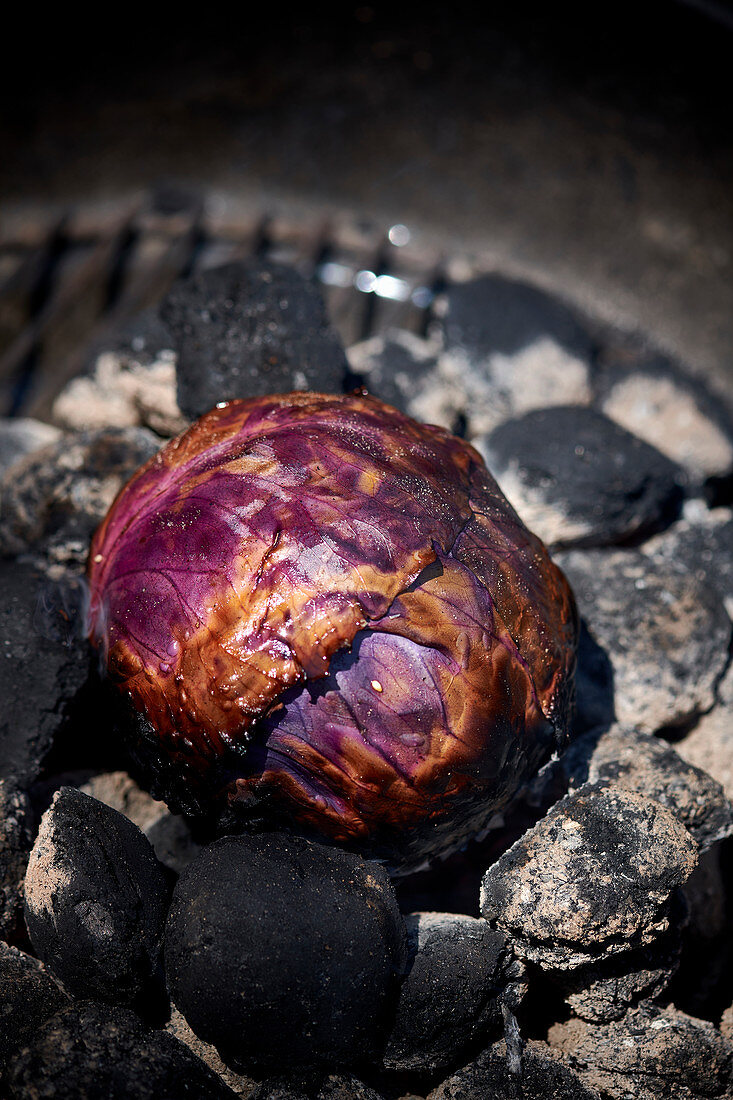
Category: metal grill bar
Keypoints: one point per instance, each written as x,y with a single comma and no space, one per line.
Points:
69,281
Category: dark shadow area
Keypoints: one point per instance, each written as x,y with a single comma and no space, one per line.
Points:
662,57
703,982
593,686
594,153
718,491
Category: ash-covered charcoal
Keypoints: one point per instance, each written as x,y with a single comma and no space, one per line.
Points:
22,436
314,1086
578,479
247,329
44,664
493,1076
726,1024
639,762
54,498
709,745
295,957
593,878
95,898
603,991
675,414
28,996
508,348
120,792
665,632
702,543
460,971
399,368
651,1053
16,841
93,1050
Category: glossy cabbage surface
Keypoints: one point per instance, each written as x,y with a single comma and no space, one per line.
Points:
332,620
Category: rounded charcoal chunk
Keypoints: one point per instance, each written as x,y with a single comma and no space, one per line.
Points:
648,765
578,479
95,899
94,1052
284,953
459,968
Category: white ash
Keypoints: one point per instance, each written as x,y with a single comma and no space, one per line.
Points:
122,392
660,411
709,745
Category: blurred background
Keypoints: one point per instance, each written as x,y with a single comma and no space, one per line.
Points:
586,150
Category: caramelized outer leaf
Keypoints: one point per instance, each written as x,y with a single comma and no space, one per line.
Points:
331,616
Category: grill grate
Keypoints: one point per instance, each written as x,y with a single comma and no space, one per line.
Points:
70,279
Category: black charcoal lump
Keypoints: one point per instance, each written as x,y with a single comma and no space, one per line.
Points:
95,899
495,1076
169,834
701,543
248,329
28,996
491,315
592,878
91,1051
44,664
578,479
460,971
16,839
314,1086
294,959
